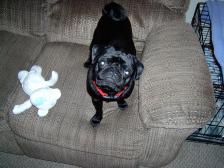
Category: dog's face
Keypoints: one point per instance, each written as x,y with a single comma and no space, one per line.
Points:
113,70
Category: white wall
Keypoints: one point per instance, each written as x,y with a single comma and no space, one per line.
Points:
191,9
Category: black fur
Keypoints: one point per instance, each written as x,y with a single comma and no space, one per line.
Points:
112,42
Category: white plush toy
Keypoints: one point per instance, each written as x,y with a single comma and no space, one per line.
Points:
41,95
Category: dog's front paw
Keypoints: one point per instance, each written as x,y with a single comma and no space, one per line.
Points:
95,120
87,64
122,105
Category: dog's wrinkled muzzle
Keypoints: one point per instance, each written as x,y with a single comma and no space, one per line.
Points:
110,80
108,85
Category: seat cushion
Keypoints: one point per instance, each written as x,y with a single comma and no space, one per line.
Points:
67,126
75,21
16,52
8,143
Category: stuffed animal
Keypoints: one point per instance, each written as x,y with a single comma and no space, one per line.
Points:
41,95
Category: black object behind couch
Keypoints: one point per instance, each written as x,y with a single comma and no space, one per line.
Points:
212,132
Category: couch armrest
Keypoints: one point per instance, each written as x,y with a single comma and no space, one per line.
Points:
175,88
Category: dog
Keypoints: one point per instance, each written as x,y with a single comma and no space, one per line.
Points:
113,65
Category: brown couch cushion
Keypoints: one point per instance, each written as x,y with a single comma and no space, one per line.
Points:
65,134
176,79
179,6
23,17
8,143
159,148
75,21
16,52
67,124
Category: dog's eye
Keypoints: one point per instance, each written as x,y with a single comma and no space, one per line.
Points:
126,72
102,63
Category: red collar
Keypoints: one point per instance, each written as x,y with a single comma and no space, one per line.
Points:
102,93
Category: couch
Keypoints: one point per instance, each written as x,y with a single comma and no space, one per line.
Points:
172,99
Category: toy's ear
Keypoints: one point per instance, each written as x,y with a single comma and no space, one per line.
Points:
36,69
139,69
22,75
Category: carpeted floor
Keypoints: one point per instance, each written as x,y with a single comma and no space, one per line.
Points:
16,161
192,155
199,155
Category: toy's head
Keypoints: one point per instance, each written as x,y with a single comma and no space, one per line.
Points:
35,70
33,80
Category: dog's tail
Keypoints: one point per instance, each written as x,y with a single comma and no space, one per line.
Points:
115,11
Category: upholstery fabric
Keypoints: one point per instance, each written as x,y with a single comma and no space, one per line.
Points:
75,21
16,52
162,146
72,21
74,157
171,100
159,147
65,134
23,16
8,143
67,124
174,5
176,79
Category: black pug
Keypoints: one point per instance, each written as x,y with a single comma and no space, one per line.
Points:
113,66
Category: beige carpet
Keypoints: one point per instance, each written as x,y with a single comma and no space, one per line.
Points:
16,161
192,155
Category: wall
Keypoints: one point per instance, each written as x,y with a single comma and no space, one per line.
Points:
191,9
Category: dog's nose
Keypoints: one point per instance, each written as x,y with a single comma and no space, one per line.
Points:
112,73
116,73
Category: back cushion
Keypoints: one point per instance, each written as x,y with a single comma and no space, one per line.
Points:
75,21
23,16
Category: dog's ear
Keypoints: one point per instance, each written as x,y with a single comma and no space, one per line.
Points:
139,69
109,49
98,49
95,51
